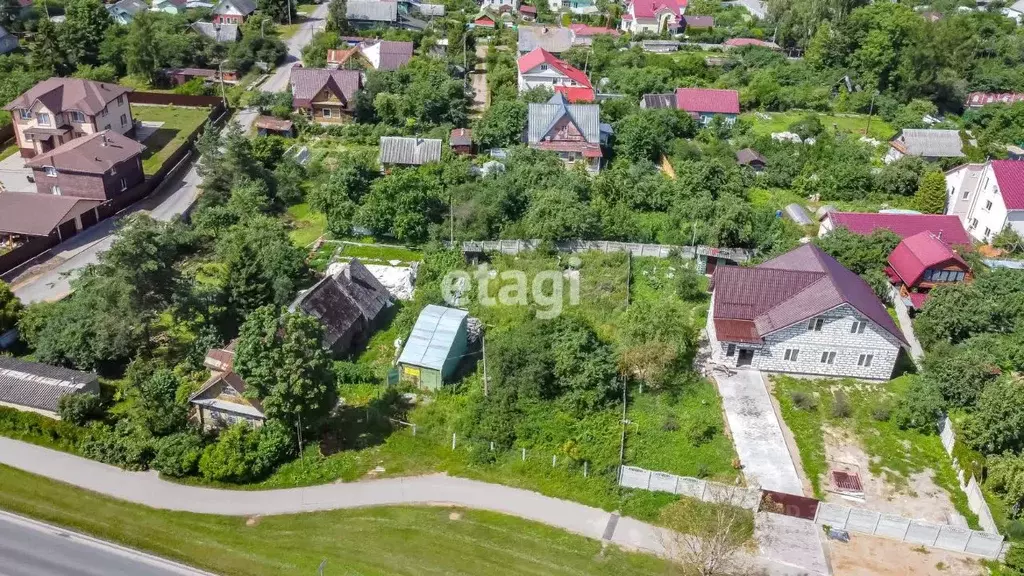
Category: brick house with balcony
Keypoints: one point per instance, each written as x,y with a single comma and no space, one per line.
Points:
326,96
801,313
58,110
98,167
572,131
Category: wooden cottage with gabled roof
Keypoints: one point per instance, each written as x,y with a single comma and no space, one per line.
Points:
347,303
325,95
221,400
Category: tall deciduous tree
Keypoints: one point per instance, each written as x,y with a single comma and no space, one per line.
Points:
10,308
141,51
263,266
501,125
337,17
997,425
282,359
83,30
930,197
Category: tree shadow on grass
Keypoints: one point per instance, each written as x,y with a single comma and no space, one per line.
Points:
360,427
157,141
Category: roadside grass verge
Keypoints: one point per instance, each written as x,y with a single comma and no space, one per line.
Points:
178,123
384,540
9,151
894,453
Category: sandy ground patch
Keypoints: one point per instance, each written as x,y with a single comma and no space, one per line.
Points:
920,499
874,556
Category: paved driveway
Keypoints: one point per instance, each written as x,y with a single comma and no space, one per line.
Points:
14,175
756,432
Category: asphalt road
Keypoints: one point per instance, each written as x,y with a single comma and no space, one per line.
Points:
316,21
31,548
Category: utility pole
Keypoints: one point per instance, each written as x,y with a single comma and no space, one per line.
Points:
451,219
871,110
220,72
298,433
289,3
622,440
483,340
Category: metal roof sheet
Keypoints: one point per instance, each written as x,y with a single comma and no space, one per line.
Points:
40,385
410,151
432,337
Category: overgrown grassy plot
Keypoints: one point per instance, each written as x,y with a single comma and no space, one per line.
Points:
894,453
395,540
178,124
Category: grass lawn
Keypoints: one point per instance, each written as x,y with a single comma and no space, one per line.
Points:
381,254
392,540
895,453
286,31
9,151
307,224
178,122
852,123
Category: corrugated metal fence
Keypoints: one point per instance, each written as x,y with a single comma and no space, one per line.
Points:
703,490
636,249
943,536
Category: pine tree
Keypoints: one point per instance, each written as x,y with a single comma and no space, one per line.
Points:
46,50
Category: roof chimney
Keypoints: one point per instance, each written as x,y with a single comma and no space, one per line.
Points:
104,136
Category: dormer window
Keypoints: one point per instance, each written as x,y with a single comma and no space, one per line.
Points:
50,171
25,114
76,116
43,119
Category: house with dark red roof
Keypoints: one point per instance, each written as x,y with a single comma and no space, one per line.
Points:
947,228
542,68
987,197
653,16
701,103
584,34
325,95
801,313
922,262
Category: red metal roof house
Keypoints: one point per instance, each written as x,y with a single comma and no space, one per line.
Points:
946,227
542,68
702,103
921,262
802,313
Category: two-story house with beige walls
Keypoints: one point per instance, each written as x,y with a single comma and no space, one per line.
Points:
58,110
987,197
801,313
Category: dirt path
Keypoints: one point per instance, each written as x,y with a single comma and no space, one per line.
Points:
478,78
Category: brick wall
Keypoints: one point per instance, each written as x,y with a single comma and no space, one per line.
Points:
834,336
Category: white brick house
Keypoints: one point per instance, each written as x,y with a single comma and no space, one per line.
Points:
801,313
987,197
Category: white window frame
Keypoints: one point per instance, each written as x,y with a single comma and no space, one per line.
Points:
124,184
325,112
55,190
858,326
987,232
988,205
75,116
828,357
25,113
815,324
730,350
41,117
124,119
120,100
792,354
864,360
50,171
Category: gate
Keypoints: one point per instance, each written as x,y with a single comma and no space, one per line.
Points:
788,504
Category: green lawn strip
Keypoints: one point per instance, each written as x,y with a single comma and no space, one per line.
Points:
856,124
895,453
307,224
9,151
381,254
179,122
386,540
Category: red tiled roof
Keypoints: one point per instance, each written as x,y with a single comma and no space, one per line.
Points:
903,225
919,252
1010,177
541,56
800,284
527,9
737,42
485,21
574,94
708,100
649,8
586,30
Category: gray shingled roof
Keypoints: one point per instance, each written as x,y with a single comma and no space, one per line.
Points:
217,32
246,7
432,337
41,386
554,40
542,117
374,11
409,151
931,143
